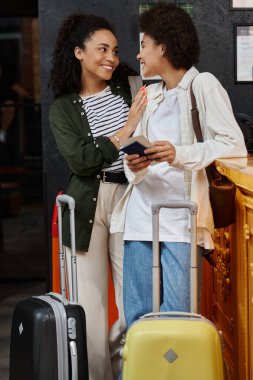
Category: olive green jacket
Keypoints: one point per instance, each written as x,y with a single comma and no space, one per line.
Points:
85,156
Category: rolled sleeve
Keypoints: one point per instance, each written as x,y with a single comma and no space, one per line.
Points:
222,135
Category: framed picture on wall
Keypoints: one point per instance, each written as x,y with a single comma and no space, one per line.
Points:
241,4
243,53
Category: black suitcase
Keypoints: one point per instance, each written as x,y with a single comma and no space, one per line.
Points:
48,335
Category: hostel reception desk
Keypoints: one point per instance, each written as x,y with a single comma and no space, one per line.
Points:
228,286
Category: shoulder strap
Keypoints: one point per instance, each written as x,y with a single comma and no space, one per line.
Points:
195,116
197,130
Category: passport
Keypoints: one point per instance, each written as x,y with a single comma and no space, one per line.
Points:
136,145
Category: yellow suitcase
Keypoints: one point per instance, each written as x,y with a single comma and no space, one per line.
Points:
173,345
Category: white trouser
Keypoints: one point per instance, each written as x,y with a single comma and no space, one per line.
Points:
92,279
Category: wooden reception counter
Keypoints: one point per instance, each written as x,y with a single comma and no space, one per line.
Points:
228,287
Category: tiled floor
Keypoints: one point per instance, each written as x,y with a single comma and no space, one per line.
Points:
22,270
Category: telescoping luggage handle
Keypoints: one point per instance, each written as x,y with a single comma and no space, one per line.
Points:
60,199
193,209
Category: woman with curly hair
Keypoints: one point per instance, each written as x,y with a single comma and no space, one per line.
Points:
170,48
89,118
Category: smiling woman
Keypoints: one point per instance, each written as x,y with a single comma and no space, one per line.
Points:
89,118
98,59
173,168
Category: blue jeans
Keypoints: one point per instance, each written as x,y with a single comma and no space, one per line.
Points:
137,278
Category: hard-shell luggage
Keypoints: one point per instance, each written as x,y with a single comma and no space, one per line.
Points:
173,345
48,335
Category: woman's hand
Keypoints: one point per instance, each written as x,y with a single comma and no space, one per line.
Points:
162,151
137,108
134,116
137,163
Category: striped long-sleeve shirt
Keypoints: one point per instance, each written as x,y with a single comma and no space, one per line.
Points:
106,113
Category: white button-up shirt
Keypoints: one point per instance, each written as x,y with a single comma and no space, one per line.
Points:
222,138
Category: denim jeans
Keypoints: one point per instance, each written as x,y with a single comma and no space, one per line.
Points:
137,278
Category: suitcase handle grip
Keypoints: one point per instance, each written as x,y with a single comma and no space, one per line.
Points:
64,198
74,364
192,206
193,209
172,314
60,199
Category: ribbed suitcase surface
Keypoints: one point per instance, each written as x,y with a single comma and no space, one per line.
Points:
33,350
42,330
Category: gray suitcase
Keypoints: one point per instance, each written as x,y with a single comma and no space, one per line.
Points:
48,336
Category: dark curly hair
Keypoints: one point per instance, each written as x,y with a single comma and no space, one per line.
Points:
170,25
65,75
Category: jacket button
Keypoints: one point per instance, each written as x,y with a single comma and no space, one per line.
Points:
82,113
94,199
98,176
79,100
90,221
89,134
74,101
97,146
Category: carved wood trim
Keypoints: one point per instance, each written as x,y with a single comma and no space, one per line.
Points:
241,358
